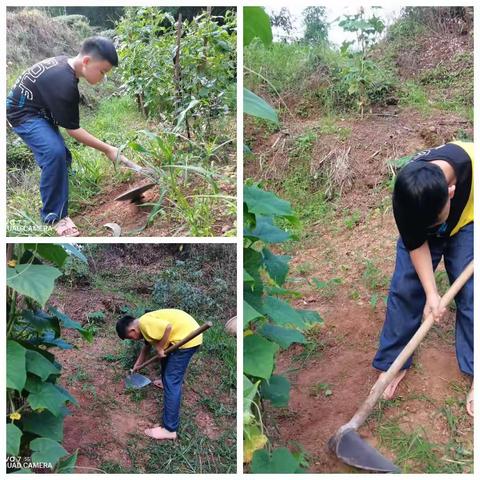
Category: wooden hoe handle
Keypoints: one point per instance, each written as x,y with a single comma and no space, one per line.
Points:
177,345
382,383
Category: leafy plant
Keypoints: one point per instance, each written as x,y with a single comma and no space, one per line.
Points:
359,72
36,402
179,79
270,322
186,176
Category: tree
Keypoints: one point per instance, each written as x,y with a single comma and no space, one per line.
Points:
316,24
282,21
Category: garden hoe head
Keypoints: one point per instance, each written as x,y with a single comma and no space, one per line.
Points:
134,194
135,380
351,449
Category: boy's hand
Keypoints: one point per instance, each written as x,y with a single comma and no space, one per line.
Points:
111,153
161,352
432,306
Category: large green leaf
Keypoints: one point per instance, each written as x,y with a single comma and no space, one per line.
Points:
258,107
276,265
16,370
256,24
14,436
280,461
266,231
49,339
310,317
258,356
260,202
49,251
282,313
39,365
33,281
249,314
41,321
67,322
44,424
67,465
46,450
49,397
277,390
283,336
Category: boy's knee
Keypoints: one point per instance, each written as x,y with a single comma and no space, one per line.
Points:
56,154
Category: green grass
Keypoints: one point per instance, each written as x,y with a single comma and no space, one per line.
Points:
373,278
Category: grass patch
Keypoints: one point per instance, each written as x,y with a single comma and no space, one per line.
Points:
415,453
193,452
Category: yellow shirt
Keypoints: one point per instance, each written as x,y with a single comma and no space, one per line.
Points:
467,214
153,325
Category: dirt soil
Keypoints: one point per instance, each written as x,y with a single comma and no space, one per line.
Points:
107,423
132,216
349,338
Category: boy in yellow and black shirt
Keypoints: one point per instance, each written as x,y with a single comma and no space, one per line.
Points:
162,328
433,209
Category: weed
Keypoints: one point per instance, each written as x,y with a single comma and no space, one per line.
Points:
352,220
304,144
328,288
137,394
96,317
305,268
318,389
79,375
373,277
312,348
415,453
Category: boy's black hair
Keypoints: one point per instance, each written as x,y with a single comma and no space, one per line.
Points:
122,326
101,48
419,195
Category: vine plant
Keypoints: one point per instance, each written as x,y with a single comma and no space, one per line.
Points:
36,402
270,323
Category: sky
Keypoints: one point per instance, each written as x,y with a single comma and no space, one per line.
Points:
335,33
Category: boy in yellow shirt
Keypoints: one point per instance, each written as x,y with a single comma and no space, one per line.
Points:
162,328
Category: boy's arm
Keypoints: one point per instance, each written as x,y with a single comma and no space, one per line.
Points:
143,355
82,136
163,342
422,261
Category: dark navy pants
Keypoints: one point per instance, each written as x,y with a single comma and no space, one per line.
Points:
406,301
54,159
174,367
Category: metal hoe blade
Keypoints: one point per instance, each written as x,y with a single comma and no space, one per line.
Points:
353,450
134,193
135,380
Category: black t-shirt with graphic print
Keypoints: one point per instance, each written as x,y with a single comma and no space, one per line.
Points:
461,163
48,90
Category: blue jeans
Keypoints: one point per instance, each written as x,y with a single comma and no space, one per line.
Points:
406,301
174,367
53,157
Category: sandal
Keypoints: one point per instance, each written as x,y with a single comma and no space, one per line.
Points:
469,402
66,228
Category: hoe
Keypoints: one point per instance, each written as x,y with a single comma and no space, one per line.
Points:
347,444
135,380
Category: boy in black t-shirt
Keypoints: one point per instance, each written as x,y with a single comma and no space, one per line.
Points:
433,209
45,97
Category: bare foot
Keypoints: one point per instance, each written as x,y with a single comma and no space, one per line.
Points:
158,383
389,392
469,402
159,433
